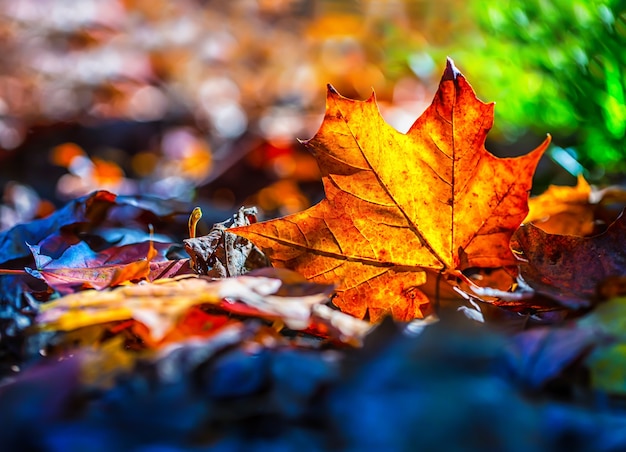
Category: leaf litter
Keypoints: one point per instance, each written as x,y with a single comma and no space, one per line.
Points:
127,340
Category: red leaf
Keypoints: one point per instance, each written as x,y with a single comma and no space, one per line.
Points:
80,268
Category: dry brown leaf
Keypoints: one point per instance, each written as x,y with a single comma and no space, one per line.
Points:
569,268
398,203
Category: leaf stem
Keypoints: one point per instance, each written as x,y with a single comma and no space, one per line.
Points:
4,271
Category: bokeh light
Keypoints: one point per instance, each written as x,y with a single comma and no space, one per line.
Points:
205,100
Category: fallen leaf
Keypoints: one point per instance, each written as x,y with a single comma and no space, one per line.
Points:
581,210
193,323
101,216
75,214
80,268
398,203
161,305
544,353
569,268
221,254
563,210
102,220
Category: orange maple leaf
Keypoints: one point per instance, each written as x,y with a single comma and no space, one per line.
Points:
397,203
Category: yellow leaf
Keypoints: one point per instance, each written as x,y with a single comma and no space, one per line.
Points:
563,210
160,305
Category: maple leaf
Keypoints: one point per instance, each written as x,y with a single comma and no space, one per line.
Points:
397,203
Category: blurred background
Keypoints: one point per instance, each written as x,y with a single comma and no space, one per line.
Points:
203,101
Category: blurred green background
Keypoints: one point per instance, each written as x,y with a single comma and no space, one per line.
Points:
558,66
203,100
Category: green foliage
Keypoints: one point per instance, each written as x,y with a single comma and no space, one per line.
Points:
606,363
561,66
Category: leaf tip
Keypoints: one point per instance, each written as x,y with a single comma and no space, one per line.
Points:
451,72
331,89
